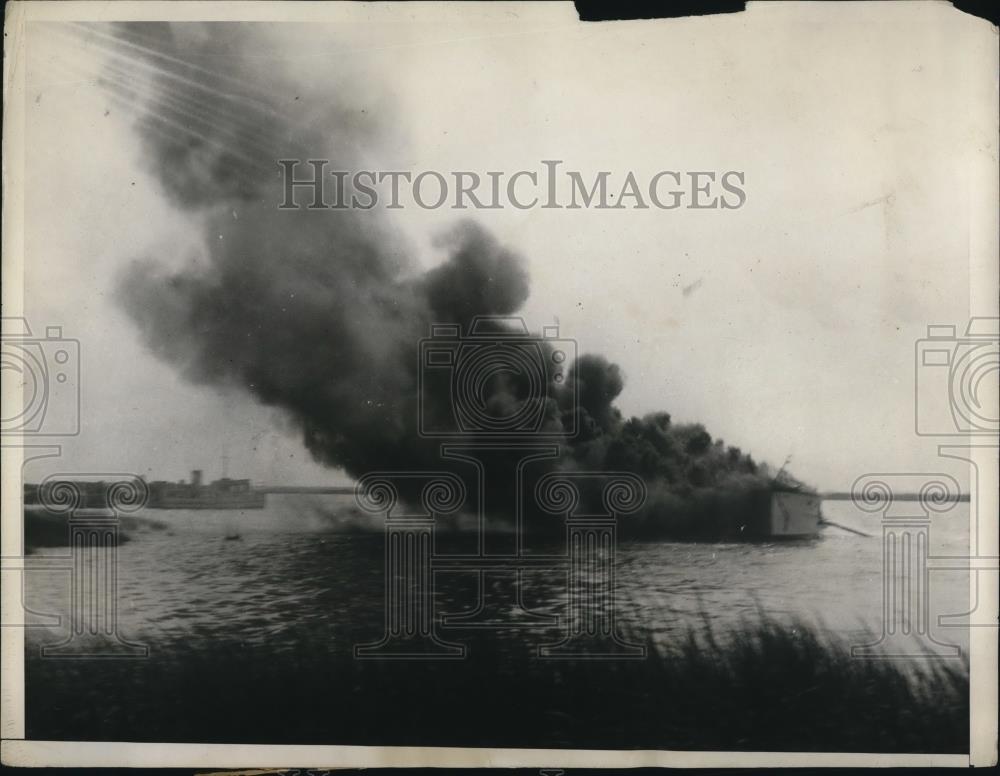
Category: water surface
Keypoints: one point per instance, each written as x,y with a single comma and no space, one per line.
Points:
183,578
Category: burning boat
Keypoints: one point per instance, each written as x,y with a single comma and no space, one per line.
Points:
761,508
784,511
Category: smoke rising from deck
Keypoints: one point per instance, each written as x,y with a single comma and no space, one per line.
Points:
319,312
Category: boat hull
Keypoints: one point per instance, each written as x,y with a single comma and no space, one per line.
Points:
794,515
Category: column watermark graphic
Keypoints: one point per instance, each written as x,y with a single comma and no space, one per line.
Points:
956,398
592,541
906,526
42,406
499,399
16,566
410,622
93,510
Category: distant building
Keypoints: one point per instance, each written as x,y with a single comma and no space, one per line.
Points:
225,493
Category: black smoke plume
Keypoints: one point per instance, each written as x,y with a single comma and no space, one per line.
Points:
319,312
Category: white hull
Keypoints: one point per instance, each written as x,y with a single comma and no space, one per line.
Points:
794,514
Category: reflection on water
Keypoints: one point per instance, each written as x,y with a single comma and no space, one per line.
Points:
189,580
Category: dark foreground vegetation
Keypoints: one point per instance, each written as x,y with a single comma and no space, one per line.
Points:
768,687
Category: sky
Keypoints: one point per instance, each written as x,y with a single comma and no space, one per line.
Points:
788,326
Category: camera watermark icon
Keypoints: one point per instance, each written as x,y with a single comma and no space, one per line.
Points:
957,386
46,371
497,380
92,508
906,502
956,382
500,396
